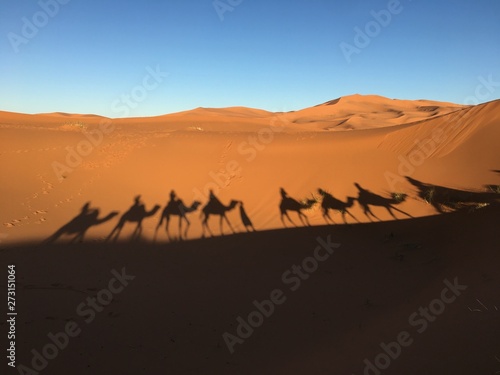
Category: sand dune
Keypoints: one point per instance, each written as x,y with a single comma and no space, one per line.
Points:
418,182
57,163
369,111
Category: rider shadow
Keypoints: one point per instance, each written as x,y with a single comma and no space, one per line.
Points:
289,204
176,207
366,199
216,208
329,202
80,224
445,199
135,214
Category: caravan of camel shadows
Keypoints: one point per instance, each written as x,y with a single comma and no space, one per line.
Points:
443,199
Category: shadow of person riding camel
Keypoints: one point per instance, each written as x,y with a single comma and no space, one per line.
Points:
135,214
366,199
329,202
445,199
289,204
79,225
216,208
176,207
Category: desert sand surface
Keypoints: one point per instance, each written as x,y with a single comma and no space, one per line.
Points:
419,181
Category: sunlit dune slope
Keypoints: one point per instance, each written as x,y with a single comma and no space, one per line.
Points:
53,164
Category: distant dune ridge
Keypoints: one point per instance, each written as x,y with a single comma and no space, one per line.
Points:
56,162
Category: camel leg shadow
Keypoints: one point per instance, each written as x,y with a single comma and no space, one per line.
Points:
289,219
115,233
348,213
367,211
390,208
204,225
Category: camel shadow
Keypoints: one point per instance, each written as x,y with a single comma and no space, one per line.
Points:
216,208
135,214
445,199
289,204
366,198
80,224
329,202
176,207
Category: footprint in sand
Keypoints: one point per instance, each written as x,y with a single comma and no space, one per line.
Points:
225,152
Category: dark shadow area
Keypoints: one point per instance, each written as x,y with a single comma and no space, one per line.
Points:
366,199
88,217
445,199
176,207
380,283
289,204
135,214
329,202
216,208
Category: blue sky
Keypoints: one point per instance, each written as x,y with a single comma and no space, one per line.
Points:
274,55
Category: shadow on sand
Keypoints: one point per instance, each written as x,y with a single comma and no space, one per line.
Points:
135,214
445,199
80,224
176,207
290,204
329,202
216,208
366,199
206,277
